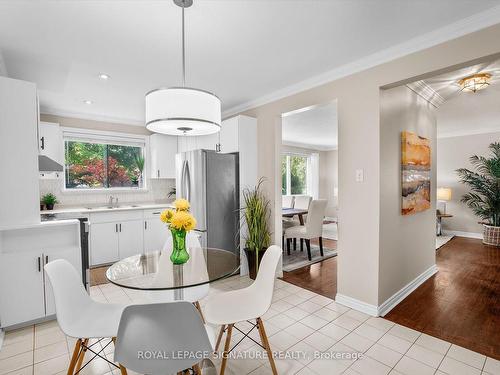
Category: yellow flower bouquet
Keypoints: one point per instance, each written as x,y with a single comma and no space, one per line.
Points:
179,221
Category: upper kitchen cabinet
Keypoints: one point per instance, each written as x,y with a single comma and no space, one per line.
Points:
207,142
51,141
50,144
163,149
19,190
237,134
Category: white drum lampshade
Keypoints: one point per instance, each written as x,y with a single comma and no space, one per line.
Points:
182,111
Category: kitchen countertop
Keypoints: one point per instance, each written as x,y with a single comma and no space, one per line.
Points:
103,208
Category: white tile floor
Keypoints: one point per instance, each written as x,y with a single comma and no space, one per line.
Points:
299,321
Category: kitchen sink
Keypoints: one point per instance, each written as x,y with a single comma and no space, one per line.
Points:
112,207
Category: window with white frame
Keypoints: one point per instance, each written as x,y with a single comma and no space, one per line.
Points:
294,174
103,161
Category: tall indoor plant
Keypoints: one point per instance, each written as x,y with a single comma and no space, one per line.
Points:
484,197
255,214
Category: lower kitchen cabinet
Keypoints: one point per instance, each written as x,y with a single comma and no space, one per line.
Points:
21,287
25,291
155,234
103,243
130,240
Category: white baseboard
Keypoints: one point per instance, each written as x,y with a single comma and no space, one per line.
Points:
463,234
2,335
356,304
395,299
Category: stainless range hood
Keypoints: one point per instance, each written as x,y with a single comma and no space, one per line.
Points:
46,164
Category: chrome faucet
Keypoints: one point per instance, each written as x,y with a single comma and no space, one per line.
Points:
113,202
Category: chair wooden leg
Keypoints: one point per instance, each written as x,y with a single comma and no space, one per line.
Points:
321,246
288,246
265,343
219,338
301,244
123,370
82,355
198,307
197,369
226,349
74,357
294,244
308,246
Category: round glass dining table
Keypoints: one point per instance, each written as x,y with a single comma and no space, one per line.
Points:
154,271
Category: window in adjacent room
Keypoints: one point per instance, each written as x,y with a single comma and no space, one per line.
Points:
294,174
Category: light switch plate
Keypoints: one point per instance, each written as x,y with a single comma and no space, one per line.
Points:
360,175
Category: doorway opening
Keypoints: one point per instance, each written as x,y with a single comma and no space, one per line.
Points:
459,303
309,197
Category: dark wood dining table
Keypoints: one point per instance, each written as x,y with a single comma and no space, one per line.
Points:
291,212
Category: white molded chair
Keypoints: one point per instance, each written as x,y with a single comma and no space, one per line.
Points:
312,229
250,303
287,201
79,316
165,328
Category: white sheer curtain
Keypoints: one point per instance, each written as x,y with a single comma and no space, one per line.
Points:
313,175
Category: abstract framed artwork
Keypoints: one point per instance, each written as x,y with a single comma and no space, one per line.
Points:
415,173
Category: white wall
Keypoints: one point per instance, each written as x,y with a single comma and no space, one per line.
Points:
454,153
329,180
407,243
358,98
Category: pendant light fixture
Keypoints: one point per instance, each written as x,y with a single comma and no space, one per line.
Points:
183,110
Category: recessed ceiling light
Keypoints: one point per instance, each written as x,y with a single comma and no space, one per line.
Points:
104,76
88,102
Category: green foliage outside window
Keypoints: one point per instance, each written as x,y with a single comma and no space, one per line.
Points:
98,165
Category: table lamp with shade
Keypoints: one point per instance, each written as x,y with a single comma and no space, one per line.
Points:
443,195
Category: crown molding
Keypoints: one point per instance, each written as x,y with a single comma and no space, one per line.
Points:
454,30
89,116
308,146
465,132
426,92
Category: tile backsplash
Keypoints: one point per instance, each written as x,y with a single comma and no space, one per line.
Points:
157,191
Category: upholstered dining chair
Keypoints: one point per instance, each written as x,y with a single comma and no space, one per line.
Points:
287,201
80,317
245,305
313,228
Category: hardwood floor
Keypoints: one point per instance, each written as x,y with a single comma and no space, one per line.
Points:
461,303
319,277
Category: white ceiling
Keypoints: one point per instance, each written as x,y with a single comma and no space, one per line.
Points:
239,49
314,128
466,113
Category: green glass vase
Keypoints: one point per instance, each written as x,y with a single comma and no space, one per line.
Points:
179,252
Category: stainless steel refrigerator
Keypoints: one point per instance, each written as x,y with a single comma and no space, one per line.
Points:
210,181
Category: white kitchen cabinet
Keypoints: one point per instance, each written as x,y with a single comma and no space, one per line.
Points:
21,287
130,239
25,292
19,190
162,149
73,256
207,142
51,141
186,143
155,231
104,243
229,132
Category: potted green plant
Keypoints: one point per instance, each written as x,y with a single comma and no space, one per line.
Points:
49,200
484,197
255,216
